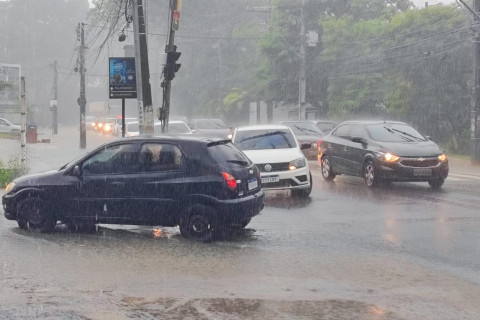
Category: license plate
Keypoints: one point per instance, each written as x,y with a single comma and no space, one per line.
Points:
425,172
252,184
270,179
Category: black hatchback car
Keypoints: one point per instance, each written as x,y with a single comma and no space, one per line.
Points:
196,183
382,151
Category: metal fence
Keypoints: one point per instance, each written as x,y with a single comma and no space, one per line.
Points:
12,120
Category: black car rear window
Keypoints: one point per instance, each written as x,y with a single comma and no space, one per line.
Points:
388,132
265,139
227,153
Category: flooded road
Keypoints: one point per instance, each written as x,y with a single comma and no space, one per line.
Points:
402,251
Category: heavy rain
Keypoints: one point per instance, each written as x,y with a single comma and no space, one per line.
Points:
253,159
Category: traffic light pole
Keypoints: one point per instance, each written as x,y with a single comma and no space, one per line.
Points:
170,47
82,101
141,53
55,97
301,76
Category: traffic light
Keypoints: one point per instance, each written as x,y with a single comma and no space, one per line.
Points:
171,66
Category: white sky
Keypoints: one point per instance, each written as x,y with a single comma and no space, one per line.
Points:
418,3
421,3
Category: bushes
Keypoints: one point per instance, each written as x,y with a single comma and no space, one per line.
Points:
9,172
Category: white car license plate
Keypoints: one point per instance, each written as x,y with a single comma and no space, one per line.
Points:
270,179
424,172
252,184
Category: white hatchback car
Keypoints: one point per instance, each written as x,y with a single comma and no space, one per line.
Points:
275,151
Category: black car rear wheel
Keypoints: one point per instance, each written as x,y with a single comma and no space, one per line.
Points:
370,174
327,172
436,183
199,223
32,215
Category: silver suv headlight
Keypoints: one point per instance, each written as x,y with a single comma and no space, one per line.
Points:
297,163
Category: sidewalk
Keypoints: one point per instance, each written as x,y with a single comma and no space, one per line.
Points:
462,165
62,148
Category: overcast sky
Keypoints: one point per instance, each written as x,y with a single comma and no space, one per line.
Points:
421,3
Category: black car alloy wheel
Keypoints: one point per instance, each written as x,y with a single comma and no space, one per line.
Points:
327,172
32,215
369,173
199,223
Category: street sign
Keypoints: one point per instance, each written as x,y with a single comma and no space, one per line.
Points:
122,78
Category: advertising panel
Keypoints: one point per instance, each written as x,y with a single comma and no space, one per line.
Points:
10,88
122,78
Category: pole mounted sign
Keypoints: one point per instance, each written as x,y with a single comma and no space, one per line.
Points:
122,78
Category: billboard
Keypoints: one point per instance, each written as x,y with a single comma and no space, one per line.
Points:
122,78
10,83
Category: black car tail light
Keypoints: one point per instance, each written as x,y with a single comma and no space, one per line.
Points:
230,180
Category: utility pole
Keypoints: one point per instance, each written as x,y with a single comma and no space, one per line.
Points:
171,66
23,137
144,95
301,76
55,99
475,114
82,101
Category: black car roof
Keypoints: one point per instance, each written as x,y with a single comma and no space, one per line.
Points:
367,122
176,138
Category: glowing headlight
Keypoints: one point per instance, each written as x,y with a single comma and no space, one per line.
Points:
388,157
442,157
107,127
297,163
9,187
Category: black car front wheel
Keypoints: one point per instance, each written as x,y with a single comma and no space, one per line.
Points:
33,215
370,174
199,223
436,183
327,172
22,223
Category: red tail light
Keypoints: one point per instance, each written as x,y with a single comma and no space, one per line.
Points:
231,181
319,145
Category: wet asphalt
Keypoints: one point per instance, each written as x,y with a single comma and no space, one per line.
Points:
402,251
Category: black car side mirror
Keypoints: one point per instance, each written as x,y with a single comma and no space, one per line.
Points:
359,140
76,171
305,145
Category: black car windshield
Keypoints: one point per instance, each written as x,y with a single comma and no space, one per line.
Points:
264,139
304,128
387,132
210,124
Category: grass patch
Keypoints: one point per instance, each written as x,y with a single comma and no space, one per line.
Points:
9,171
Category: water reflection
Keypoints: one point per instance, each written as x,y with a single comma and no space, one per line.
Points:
283,199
